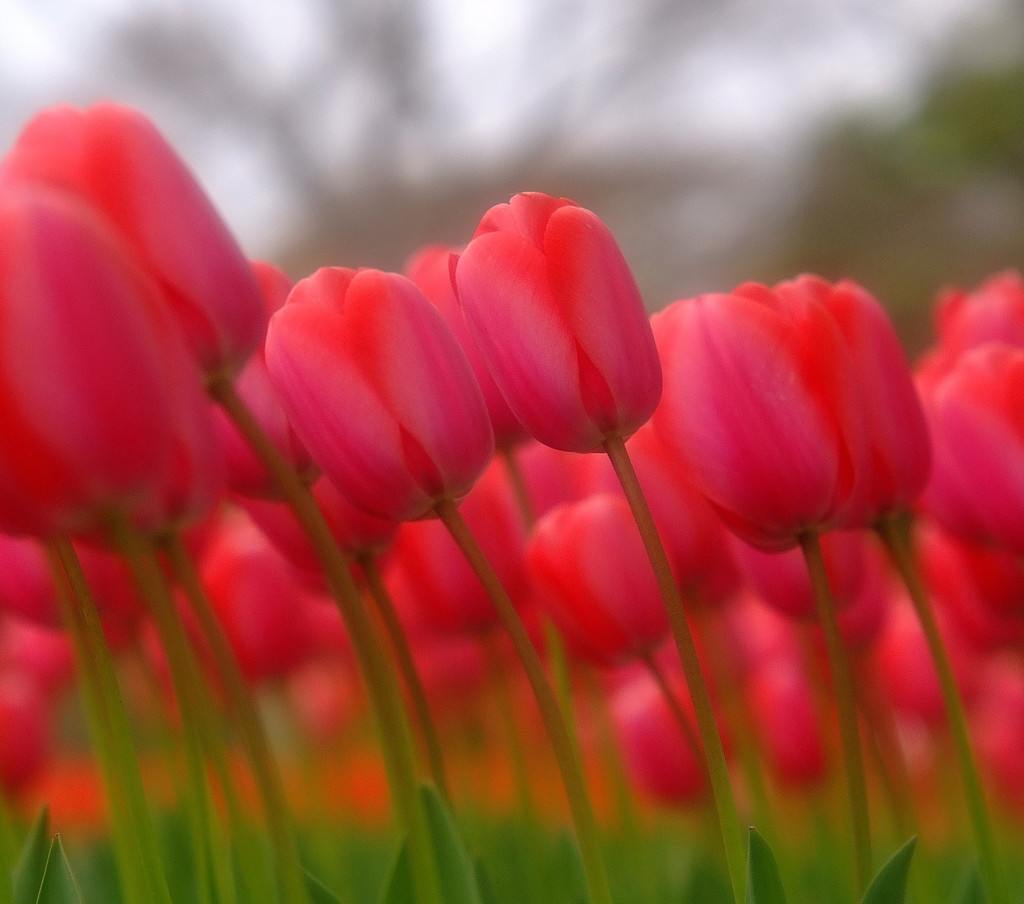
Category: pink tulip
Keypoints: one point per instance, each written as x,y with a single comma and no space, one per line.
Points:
977,486
431,270
379,391
590,569
102,412
762,407
899,457
115,160
557,316
994,312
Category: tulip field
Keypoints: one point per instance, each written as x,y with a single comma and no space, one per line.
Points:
478,583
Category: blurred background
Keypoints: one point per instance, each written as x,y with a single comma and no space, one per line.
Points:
738,139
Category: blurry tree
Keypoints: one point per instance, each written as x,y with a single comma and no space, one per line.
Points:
935,200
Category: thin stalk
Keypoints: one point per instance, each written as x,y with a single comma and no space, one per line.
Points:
6,857
210,843
254,739
513,736
381,682
407,668
519,488
657,673
558,663
134,834
842,686
554,722
733,836
895,533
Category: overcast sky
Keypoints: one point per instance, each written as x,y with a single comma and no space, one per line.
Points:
764,78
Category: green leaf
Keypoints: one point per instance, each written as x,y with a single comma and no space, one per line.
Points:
970,889
28,871
399,889
454,867
58,886
764,884
318,892
890,885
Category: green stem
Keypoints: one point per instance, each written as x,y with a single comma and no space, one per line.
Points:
513,737
657,673
842,686
554,722
410,675
519,488
142,872
254,739
381,682
212,859
895,533
733,836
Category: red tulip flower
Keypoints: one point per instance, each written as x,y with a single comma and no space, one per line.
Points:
589,565
102,412
114,159
431,270
977,419
994,312
763,408
379,391
899,458
558,318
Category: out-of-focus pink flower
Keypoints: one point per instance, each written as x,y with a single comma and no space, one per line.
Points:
659,756
590,570
431,269
115,160
102,412
25,733
761,405
431,580
994,312
558,318
977,486
379,391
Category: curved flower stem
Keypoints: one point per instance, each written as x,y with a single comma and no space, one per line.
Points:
407,667
554,722
134,834
733,837
198,741
842,684
656,672
895,533
381,682
519,487
250,729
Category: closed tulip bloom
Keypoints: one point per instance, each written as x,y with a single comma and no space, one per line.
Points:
994,312
95,380
899,459
431,270
590,569
977,420
379,391
115,159
557,316
762,407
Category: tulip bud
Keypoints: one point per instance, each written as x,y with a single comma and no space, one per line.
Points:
557,316
114,159
379,391
762,406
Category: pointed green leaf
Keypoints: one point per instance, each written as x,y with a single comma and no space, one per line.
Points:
764,884
28,871
454,867
318,892
59,886
970,889
398,889
890,885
